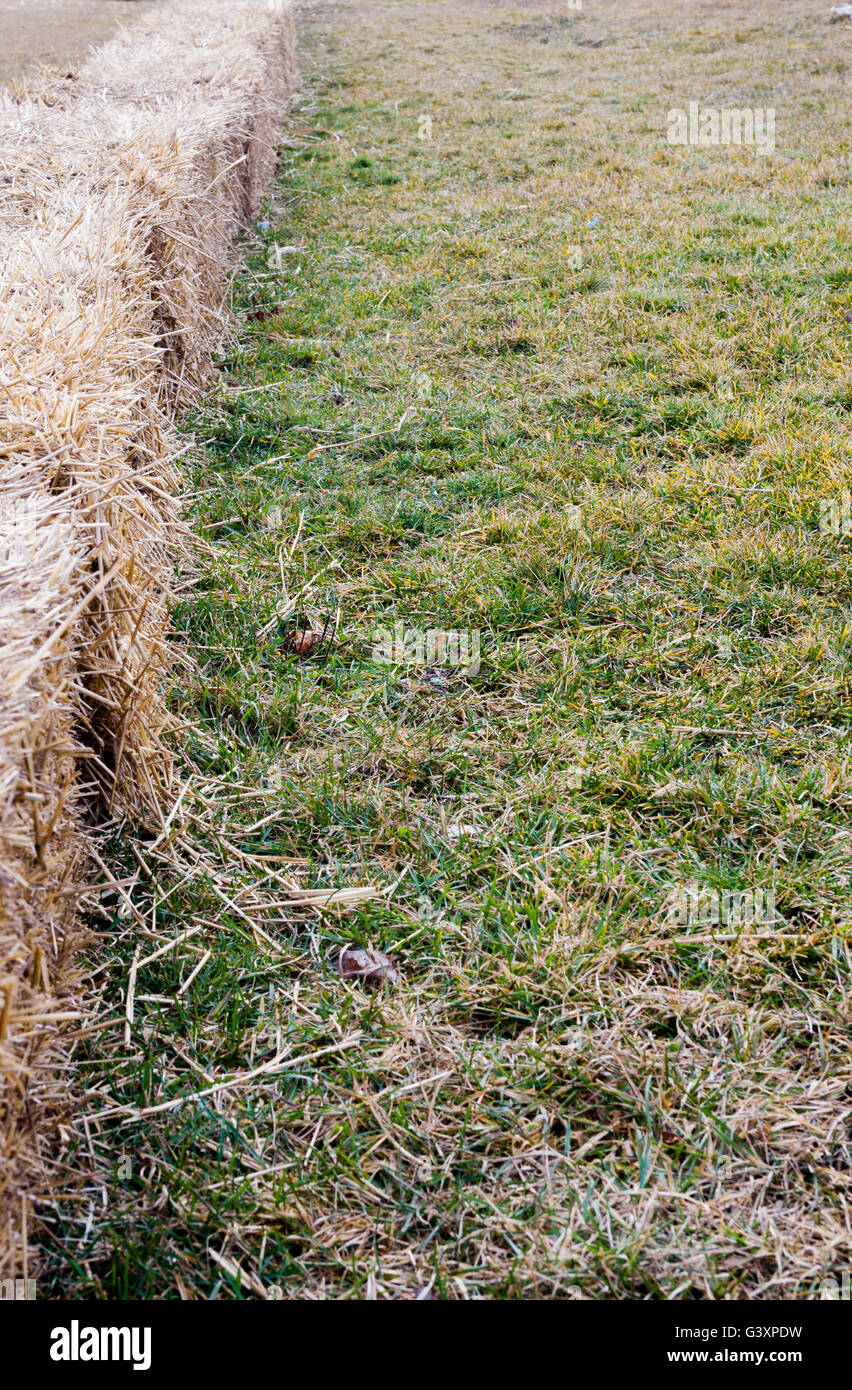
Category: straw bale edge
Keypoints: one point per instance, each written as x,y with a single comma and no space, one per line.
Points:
121,191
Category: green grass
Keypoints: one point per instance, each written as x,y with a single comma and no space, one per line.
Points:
614,473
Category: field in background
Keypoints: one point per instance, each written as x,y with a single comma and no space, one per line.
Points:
508,364
57,32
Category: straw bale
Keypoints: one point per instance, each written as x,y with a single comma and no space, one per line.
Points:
121,191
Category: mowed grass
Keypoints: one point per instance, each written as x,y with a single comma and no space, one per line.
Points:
506,362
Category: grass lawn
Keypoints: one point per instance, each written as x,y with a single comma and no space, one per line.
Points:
507,364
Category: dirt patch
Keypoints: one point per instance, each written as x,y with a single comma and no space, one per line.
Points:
57,31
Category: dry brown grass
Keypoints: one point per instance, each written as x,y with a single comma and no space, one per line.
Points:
59,32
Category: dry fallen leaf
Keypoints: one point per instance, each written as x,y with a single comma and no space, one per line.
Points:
369,966
301,643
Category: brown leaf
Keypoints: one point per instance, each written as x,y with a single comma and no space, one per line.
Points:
300,643
267,311
369,966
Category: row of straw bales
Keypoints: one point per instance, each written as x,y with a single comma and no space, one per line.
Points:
121,190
